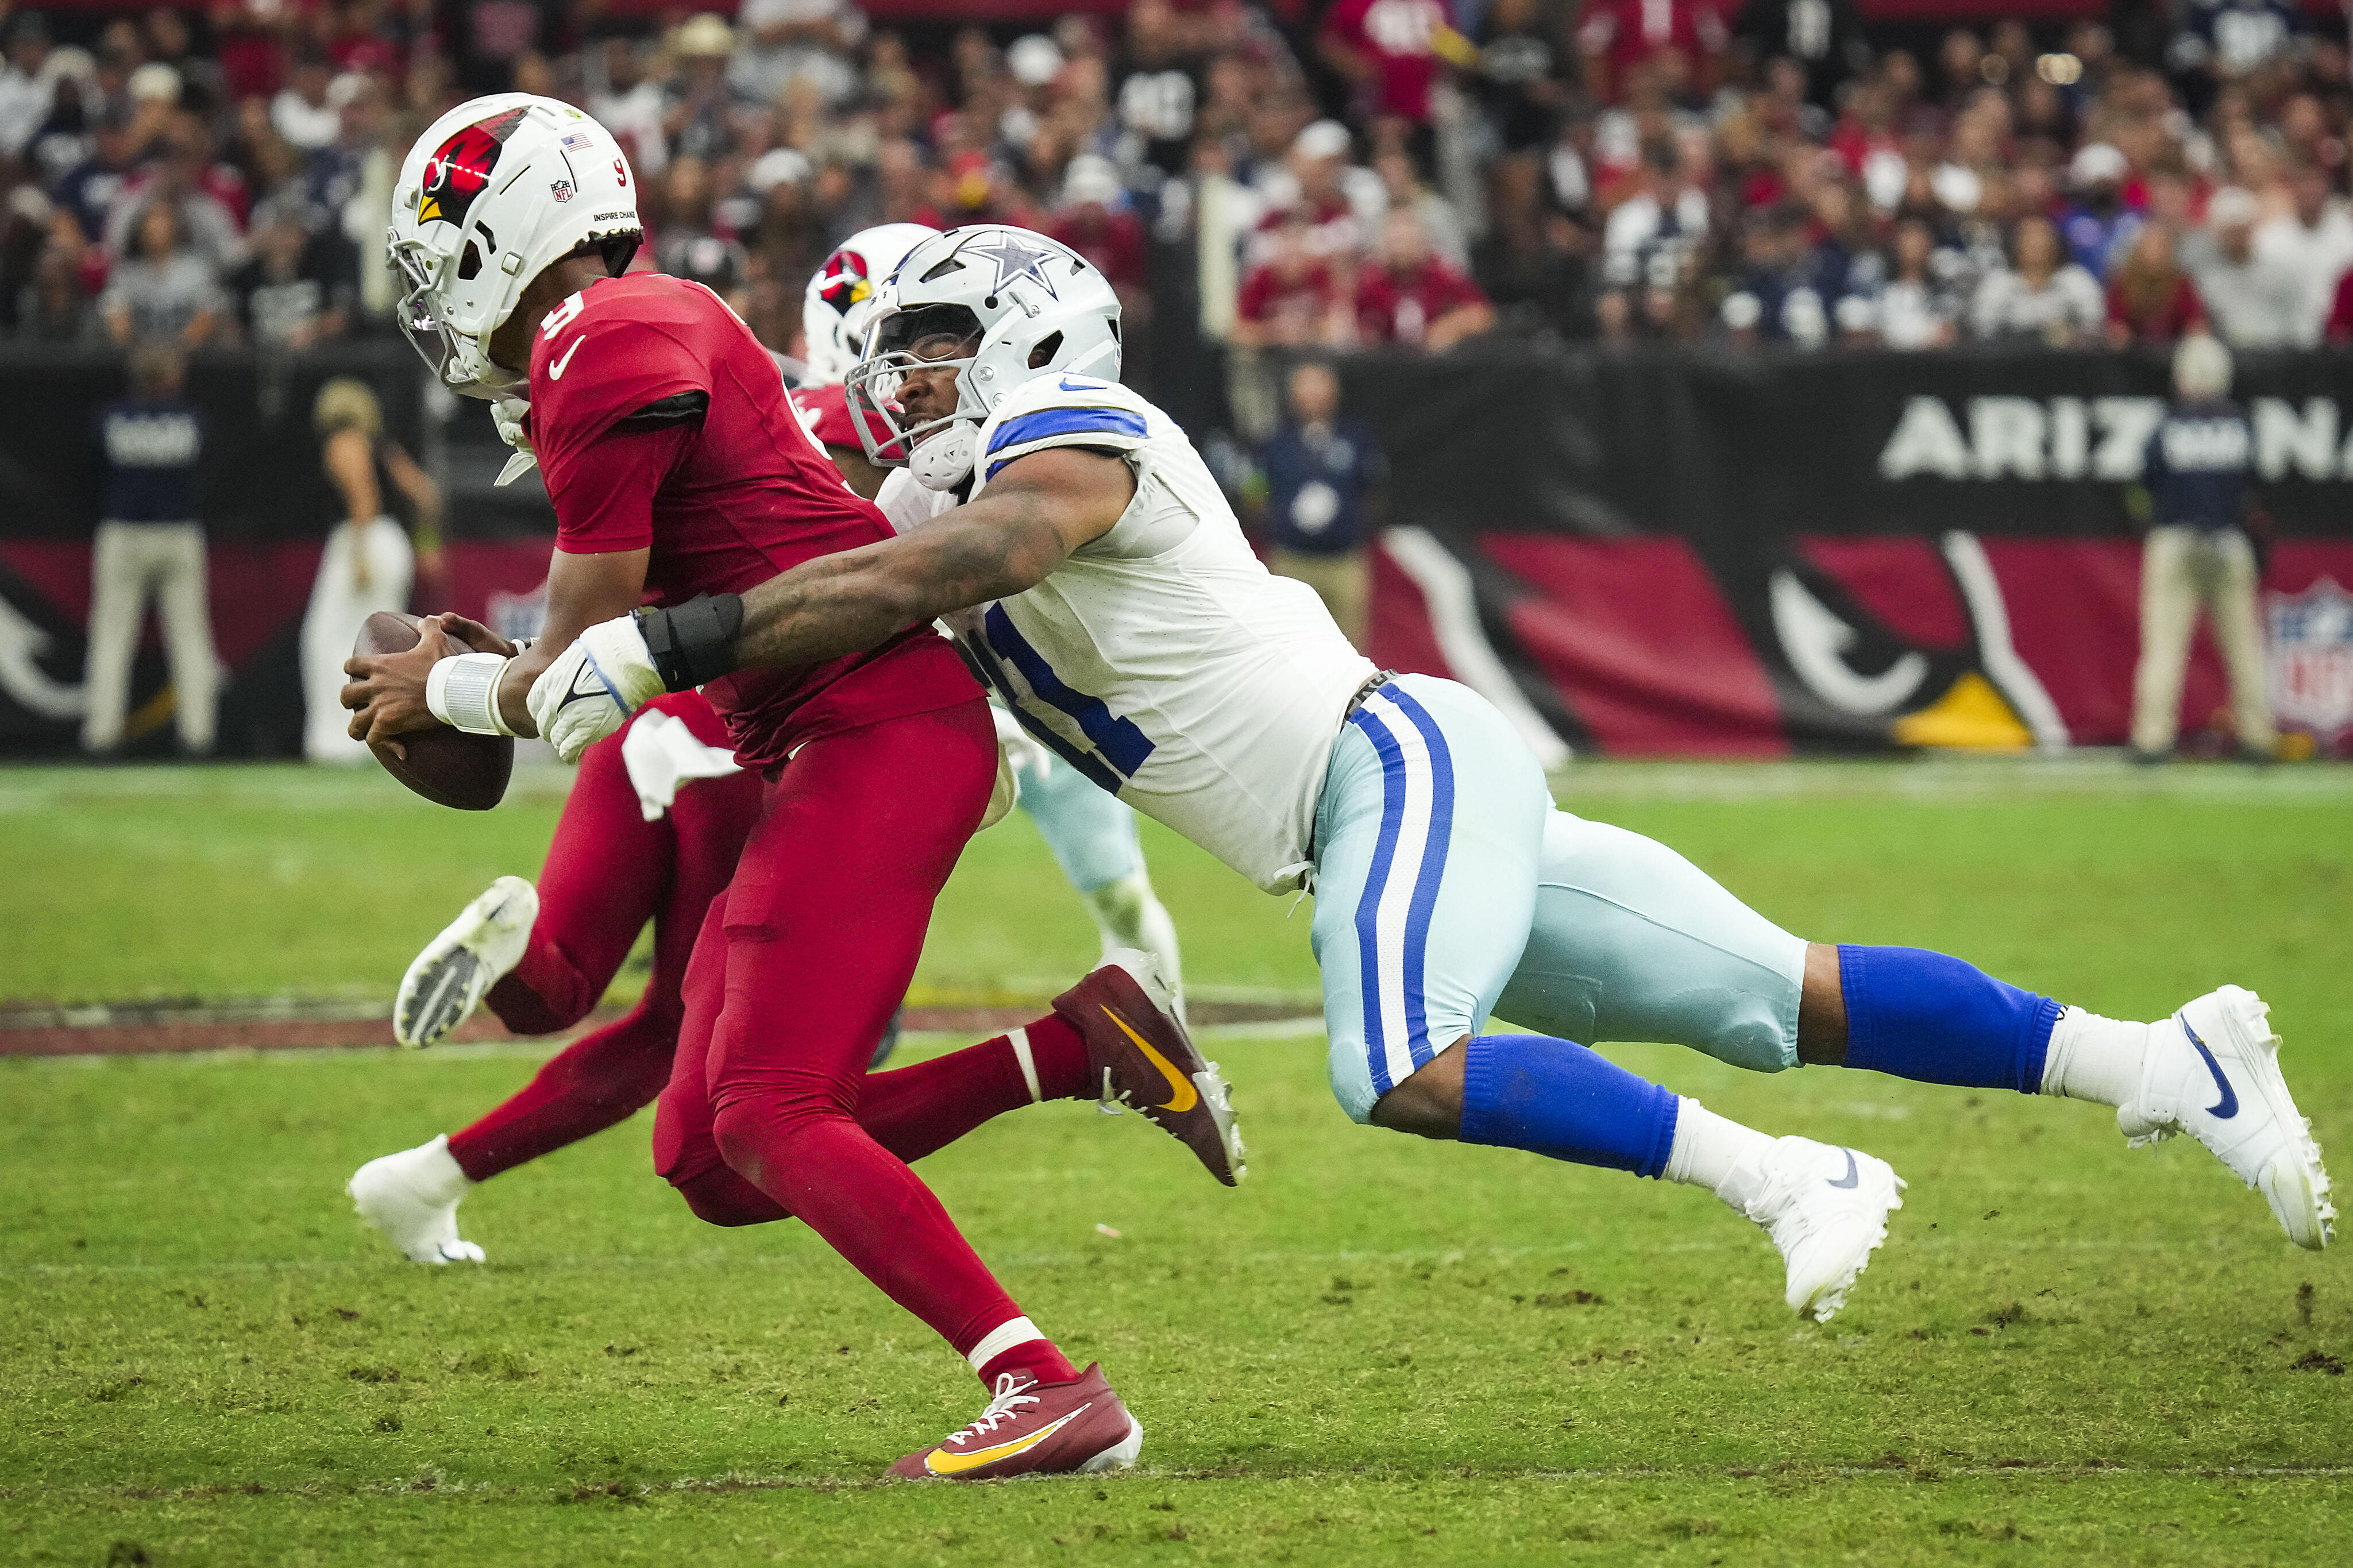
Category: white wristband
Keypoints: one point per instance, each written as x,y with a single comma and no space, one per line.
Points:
463,692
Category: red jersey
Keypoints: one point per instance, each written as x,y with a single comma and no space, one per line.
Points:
1397,307
721,502
825,411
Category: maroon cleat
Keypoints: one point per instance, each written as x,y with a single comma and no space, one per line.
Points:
1036,1429
1140,1057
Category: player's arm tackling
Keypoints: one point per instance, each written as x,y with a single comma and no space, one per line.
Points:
395,693
1032,515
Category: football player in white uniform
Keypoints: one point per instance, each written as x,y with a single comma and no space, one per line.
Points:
1086,559
1091,833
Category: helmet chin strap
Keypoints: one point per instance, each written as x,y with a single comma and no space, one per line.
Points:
943,460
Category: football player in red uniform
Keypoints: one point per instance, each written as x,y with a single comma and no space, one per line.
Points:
650,831
678,469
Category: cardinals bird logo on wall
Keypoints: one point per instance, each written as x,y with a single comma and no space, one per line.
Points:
460,169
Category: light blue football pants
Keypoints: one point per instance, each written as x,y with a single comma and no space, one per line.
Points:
1448,888
1091,831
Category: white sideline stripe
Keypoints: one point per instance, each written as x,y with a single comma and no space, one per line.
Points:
1453,604
1981,590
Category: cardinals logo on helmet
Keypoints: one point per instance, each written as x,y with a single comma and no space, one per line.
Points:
460,169
844,281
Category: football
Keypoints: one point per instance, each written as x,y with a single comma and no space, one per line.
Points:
446,766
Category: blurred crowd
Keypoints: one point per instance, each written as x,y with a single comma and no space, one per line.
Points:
1292,175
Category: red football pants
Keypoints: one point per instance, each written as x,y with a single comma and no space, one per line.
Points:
608,871
799,967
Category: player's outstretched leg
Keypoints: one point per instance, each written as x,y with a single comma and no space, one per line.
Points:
1631,942
446,981
412,1197
2209,1071
1824,1206
1429,837
1114,1037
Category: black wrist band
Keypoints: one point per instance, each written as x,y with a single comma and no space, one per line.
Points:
693,642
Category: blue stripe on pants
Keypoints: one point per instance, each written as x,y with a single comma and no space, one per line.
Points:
1428,870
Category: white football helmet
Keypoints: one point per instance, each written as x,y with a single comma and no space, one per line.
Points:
1000,305
494,193
842,293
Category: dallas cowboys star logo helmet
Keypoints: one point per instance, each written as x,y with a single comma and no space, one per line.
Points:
1021,305
1016,253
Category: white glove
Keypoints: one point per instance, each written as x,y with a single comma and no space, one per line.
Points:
507,414
594,686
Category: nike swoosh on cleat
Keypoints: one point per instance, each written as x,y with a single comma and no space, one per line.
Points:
1852,1175
942,1463
1183,1096
2227,1107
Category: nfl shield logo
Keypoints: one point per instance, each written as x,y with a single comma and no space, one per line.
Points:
561,189
2312,660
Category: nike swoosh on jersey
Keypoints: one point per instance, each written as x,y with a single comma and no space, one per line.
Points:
2227,1107
1182,1095
940,1462
1851,1175
555,371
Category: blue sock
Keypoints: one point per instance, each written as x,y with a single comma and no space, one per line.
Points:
1557,1098
1934,1019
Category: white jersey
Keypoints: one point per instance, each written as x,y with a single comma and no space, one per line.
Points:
1162,661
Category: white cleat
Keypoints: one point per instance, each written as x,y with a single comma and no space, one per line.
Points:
446,981
2211,1071
412,1197
1826,1208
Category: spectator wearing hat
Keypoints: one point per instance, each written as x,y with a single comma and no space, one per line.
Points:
2254,300
698,115
2196,473
1340,200
1323,472
2097,224
150,542
2312,240
1408,298
1093,218
2040,297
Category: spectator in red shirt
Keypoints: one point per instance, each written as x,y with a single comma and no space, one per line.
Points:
2150,298
1410,298
1292,300
1617,36
1390,49
2340,313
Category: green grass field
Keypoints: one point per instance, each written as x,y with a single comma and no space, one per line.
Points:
1376,1349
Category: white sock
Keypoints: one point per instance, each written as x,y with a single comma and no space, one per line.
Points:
440,1178
1717,1153
1127,913
1000,1339
2095,1058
